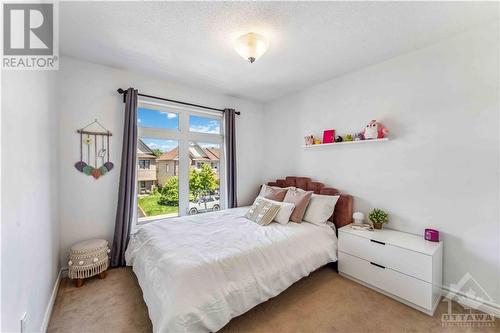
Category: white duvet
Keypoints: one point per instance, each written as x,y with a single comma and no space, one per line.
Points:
197,272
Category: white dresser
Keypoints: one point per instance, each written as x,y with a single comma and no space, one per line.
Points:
403,266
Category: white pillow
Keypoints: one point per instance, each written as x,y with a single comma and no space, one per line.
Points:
286,209
320,208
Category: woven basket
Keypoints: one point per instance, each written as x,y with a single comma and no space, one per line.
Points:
88,258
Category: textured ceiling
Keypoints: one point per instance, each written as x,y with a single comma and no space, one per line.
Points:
191,42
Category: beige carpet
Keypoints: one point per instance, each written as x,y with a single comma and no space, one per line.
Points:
322,302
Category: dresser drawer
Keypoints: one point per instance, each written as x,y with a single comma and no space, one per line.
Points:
403,286
409,262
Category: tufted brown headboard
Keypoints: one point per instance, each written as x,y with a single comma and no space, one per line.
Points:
343,210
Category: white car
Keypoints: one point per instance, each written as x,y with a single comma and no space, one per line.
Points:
204,204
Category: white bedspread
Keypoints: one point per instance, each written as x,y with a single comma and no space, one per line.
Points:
197,272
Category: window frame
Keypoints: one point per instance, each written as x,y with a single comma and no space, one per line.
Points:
184,136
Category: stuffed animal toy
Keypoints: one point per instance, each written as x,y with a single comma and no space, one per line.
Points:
375,130
359,137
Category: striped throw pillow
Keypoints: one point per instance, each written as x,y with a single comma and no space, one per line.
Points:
262,212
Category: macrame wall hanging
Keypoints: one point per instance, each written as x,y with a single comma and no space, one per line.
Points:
94,148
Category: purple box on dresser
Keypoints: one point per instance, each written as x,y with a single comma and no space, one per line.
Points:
431,235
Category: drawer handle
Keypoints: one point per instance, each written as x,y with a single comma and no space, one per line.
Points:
374,264
378,242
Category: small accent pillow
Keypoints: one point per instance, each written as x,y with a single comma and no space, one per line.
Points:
262,212
286,209
320,208
300,199
273,193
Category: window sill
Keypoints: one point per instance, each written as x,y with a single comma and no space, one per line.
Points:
146,220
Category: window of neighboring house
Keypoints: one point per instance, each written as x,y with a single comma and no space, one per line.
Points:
142,185
144,164
180,135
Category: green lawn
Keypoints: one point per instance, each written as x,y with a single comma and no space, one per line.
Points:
149,204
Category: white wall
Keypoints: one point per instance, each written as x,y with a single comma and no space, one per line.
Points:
441,168
88,91
30,221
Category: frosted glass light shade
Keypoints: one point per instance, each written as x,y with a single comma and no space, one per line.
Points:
251,46
358,217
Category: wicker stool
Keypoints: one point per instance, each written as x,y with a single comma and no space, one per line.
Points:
88,258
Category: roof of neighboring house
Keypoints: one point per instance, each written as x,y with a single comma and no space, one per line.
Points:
143,151
195,153
212,153
170,155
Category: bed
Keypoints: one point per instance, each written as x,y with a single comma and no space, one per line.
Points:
197,272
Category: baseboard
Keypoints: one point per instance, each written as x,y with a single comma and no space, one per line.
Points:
486,307
50,305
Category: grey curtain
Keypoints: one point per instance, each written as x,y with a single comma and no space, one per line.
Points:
126,193
229,120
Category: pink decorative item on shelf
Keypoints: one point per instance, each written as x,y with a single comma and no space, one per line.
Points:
329,136
375,130
431,235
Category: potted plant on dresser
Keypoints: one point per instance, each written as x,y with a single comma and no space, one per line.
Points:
378,218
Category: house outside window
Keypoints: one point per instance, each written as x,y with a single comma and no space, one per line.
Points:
175,145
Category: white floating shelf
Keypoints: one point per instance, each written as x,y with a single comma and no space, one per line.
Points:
347,143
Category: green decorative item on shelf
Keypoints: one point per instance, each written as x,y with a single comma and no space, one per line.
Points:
348,137
378,218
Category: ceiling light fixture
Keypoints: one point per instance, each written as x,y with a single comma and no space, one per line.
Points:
251,46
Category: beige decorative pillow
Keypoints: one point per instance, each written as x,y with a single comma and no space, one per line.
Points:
320,208
262,211
273,193
286,209
300,199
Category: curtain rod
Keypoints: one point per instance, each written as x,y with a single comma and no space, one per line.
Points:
124,92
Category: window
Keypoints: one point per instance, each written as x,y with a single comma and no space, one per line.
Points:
204,181
150,118
161,198
144,164
179,161
204,125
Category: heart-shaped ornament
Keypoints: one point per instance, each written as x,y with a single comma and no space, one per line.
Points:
96,173
109,165
80,165
88,170
103,170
